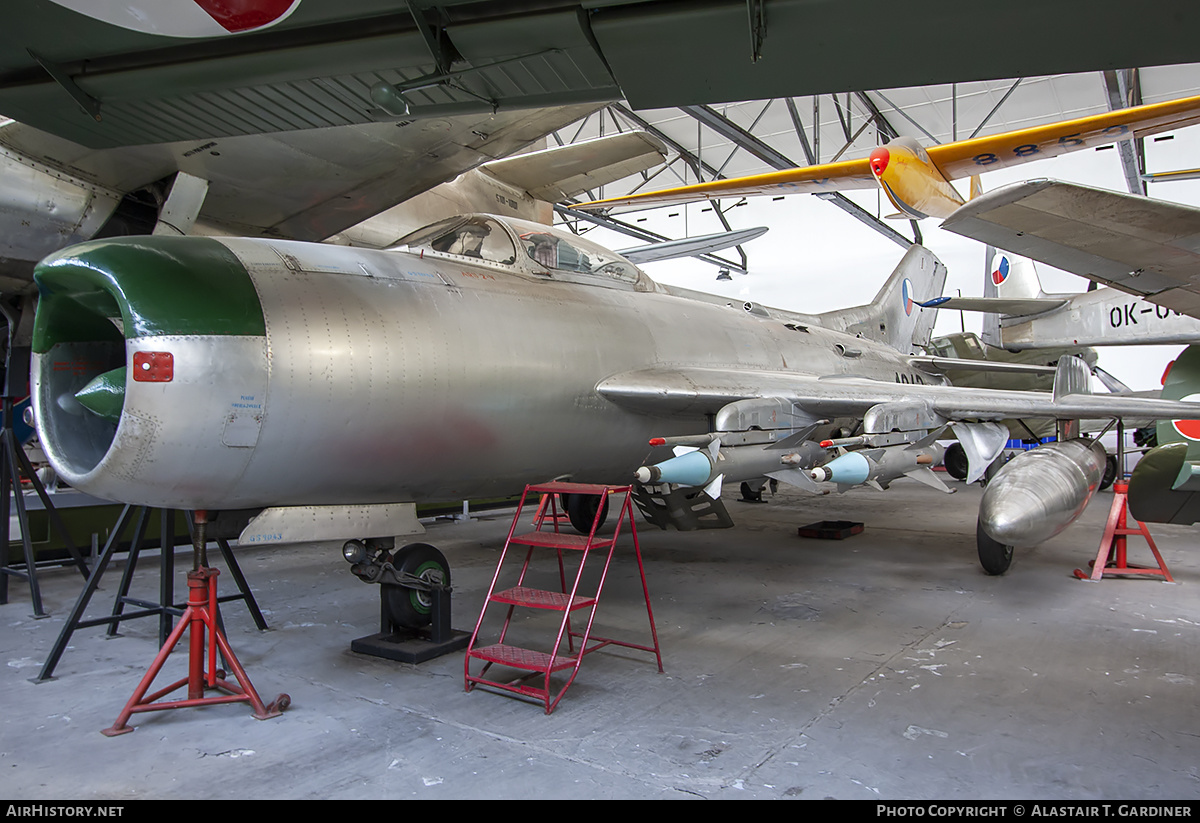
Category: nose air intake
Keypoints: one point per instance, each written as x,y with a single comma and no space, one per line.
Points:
98,296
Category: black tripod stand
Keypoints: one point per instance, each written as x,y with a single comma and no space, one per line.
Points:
13,464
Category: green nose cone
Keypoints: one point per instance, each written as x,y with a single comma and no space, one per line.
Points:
104,396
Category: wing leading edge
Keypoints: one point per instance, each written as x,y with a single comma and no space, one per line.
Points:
676,391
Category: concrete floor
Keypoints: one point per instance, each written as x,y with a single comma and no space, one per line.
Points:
882,666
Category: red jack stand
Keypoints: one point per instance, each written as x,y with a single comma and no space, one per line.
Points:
201,614
1110,559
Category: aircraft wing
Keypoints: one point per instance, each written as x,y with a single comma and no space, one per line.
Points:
305,184
692,391
1016,306
570,170
906,180
689,246
963,158
848,174
1146,247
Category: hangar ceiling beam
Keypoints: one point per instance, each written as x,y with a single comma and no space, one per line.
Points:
776,160
886,129
995,108
1124,89
905,115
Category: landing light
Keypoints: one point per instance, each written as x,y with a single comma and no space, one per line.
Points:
355,551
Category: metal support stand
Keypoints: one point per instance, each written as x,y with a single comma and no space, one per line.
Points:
14,462
164,609
414,645
199,617
1111,558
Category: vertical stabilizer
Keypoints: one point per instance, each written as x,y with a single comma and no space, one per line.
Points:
894,316
991,321
1009,276
1013,277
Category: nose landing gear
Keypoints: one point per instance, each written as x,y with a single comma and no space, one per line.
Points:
414,600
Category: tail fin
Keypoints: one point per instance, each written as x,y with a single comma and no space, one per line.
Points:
1013,277
991,321
894,317
1006,276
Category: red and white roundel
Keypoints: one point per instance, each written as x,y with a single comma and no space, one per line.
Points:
1188,428
186,18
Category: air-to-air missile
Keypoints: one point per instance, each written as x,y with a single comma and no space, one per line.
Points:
334,388
880,466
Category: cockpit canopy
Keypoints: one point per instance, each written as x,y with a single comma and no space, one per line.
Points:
529,246
476,236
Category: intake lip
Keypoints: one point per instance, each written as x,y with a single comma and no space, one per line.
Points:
97,296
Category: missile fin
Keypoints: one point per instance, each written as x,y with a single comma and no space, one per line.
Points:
799,478
923,474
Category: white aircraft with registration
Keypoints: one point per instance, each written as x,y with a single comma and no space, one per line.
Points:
1027,318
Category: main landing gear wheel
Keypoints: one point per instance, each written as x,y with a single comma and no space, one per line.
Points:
994,556
1110,471
581,510
955,461
413,608
750,494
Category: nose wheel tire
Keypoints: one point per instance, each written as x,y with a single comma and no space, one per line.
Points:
581,510
412,608
994,556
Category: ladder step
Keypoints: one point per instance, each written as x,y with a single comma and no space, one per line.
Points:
561,540
541,599
561,487
518,658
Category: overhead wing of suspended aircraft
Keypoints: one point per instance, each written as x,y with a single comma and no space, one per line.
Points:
304,185
1145,247
333,388
916,178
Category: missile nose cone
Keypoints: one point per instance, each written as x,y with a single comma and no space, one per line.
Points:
820,474
690,469
104,395
879,161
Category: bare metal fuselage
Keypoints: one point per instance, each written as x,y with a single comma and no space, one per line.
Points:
388,376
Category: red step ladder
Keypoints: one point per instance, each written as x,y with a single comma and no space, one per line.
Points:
1110,559
540,665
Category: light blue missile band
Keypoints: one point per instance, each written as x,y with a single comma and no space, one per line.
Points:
849,469
691,469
